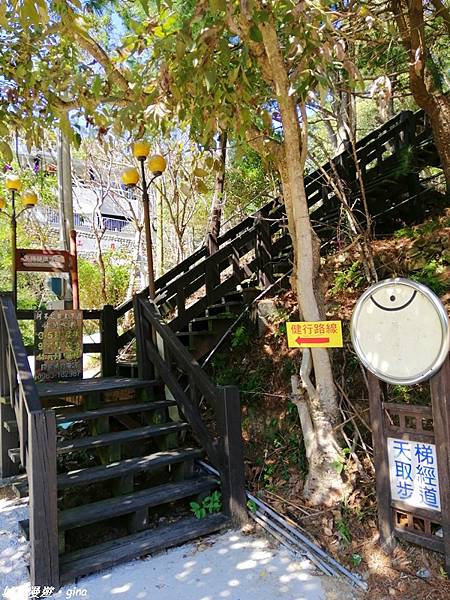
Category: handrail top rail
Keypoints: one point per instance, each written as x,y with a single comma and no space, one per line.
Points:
184,358
27,383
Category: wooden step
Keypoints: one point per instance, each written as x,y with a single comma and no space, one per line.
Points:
127,466
81,387
129,503
96,558
106,439
111,410
224,307
120,437
211,323
219,317
187,334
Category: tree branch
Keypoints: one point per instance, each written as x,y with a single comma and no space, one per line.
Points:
442,11
92,47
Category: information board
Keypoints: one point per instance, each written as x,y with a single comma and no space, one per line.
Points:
58,338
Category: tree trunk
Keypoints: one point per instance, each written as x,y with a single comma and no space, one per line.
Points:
439,116
218,199
323,483
409,16
101,264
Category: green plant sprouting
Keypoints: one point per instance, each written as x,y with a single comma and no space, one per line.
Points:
209,505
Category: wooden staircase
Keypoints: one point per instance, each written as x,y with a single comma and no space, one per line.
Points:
141,467
110,463
257,251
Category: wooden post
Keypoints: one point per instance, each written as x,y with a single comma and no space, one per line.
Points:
228,413
143,332
212,245
41,470
108,332
212,277
263,251
4,386
381,461
440,401
408,140
8,439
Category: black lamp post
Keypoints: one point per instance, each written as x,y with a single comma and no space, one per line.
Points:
130,178
29,199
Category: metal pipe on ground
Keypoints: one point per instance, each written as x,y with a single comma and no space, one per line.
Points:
329,566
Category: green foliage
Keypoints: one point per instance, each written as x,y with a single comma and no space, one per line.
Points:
209,505
417,394
352,277
342,528
356,559
403,161
424,229
90,280
288,368
252,506
342,524
240,337
340,462
431,276
249,182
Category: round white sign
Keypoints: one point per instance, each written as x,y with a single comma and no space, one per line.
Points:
400,331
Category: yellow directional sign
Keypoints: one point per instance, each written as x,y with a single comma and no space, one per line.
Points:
315,334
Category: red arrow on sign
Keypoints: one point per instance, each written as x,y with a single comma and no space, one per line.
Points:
300,340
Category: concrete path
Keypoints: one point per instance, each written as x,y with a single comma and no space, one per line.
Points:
229,566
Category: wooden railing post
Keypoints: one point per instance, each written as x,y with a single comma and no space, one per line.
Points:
142,332
228,413
41,470
108,342
9,437
263,251
212,277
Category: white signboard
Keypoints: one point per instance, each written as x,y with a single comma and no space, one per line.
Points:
413,473
400,331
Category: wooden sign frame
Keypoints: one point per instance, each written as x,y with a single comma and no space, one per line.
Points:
69,264
44,265
424,424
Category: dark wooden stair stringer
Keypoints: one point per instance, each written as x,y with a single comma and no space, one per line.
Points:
258,249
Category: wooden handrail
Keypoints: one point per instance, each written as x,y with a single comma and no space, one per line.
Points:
179,352
25,378
175,287
225,448
37,443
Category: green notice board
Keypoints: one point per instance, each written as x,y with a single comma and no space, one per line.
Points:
58,336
